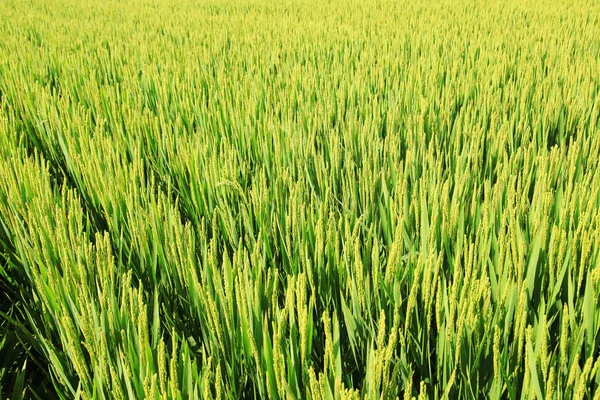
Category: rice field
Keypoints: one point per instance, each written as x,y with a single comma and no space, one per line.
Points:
246,199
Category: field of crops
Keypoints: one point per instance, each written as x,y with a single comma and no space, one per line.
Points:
299,200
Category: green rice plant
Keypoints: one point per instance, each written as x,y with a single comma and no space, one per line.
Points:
243,199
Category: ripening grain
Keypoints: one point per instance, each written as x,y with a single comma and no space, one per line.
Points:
299,200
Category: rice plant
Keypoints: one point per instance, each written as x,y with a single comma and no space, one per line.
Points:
299,200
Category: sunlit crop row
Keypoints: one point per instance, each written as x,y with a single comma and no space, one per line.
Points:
299,200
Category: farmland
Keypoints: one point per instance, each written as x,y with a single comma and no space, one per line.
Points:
299,200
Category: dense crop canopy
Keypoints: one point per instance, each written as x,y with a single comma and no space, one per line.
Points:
300,200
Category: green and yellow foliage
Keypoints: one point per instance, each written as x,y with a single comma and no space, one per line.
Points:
299,199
